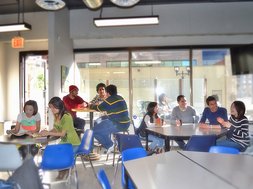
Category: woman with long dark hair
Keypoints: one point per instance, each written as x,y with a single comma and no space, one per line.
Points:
151,119
238,125
63,127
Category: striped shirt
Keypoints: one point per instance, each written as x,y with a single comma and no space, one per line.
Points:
239,131
116,108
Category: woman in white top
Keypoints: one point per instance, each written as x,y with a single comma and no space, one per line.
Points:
151,119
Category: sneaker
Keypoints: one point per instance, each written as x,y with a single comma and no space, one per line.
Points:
111,149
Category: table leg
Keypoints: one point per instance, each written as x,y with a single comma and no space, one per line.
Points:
93,155
91,120
167,144
146,140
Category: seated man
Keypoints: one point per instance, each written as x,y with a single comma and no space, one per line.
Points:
183,114
101,94
211,113
116,120
72,101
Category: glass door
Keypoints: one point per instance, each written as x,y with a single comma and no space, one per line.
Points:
34,81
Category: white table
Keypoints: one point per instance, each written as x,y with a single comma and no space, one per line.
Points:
184,132
171,170
235,169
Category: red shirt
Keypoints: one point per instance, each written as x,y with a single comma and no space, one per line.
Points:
72,103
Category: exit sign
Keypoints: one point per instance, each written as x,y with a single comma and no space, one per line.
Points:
17,42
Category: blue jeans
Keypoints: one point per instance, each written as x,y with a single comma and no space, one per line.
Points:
103,128
230,143
79,123
156,142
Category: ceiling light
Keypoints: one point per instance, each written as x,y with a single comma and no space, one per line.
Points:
15,27
93,4
126,21
51,4
148,62
94,64
125,3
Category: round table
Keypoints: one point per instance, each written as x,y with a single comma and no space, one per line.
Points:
26,140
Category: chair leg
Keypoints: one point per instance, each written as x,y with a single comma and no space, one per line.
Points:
116,170
92,166
114,152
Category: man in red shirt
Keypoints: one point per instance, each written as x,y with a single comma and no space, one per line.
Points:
71,101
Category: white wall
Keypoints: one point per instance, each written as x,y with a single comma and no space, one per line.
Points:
60,51
36,39
180,24
2,83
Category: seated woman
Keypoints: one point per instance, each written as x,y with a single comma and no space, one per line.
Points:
63,127
164,109
151,119
238,125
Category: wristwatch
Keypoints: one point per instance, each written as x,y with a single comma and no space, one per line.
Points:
125,3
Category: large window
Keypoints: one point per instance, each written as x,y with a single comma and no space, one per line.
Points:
143,75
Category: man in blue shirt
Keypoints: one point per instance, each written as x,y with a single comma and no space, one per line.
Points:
211,113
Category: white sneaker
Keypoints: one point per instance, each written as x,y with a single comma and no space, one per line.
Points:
111,149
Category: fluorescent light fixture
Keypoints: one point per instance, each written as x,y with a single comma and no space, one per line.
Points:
94,64
15,27
126,21
118,72
148,62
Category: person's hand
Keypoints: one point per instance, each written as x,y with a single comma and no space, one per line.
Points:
44,133
220,120
203,126
178,122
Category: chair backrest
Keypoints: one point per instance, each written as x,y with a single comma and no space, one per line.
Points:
57,157
223,150
127,141
130,154
201,143
10,156
136,121
86,144
103,180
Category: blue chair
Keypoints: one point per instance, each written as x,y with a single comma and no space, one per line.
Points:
130,154
103,180
223,150
124,142
85,148
200,143
59,157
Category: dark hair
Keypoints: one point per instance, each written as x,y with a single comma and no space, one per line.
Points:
100,85
111,89
209,99
161,97
58,104
32,103
179,97
150,110
240,108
